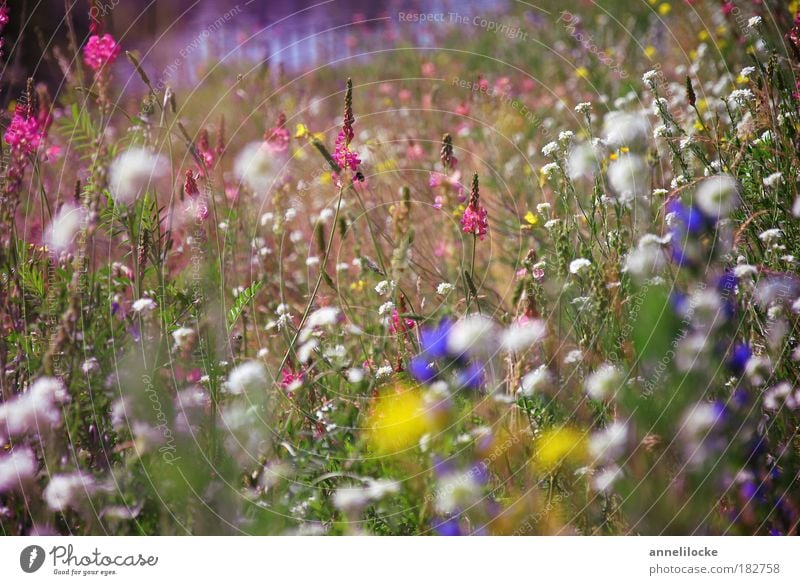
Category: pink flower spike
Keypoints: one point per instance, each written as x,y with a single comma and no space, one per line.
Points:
100,51
475,219
23,134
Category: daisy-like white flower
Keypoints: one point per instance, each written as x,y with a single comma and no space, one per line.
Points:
133,172
16,468
64,490
143,305
717,196
603,382
60,234
250,376
579,265
444,288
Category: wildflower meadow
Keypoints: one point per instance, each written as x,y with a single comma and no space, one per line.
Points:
400,268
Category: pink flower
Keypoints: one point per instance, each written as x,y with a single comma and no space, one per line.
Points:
398,324
23,135
450,182
342,154
290,378
100,51
190,186
475,219
3,14
278,137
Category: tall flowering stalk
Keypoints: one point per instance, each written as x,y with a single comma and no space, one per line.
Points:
475,220
342,154
23,136
99,54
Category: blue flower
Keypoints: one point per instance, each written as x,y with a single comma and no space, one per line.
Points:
738,358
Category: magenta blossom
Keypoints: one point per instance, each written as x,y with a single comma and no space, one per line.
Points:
342,154
475,219
23,135
100,51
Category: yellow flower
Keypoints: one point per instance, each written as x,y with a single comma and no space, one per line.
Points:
397,421
531,218
557,446
649,51
664,9
698,126
325,179
702,35
301,131
582,72
624,149
357,286
692,54
794,6
613,156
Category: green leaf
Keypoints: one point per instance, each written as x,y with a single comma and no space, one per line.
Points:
241,302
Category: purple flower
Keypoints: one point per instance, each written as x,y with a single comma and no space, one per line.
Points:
738,358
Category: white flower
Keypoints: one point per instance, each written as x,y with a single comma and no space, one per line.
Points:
745,270
650,78
37,408
542,208
648,258
583,108
779,396
551,149
754,22
355,375
352,499
132,172
444,288
629,175
770,236
17,468
741,96
573,357
384,287
604,480
537,381
626,129
250,376
772,179
64,489
603,382
143,304
258,167
386,308
305,350
457,490
583,161
549,169
474,334
565,137
322,317
383,372
522,335
61,232
579,265
608,444
747,71
717,196
184,338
